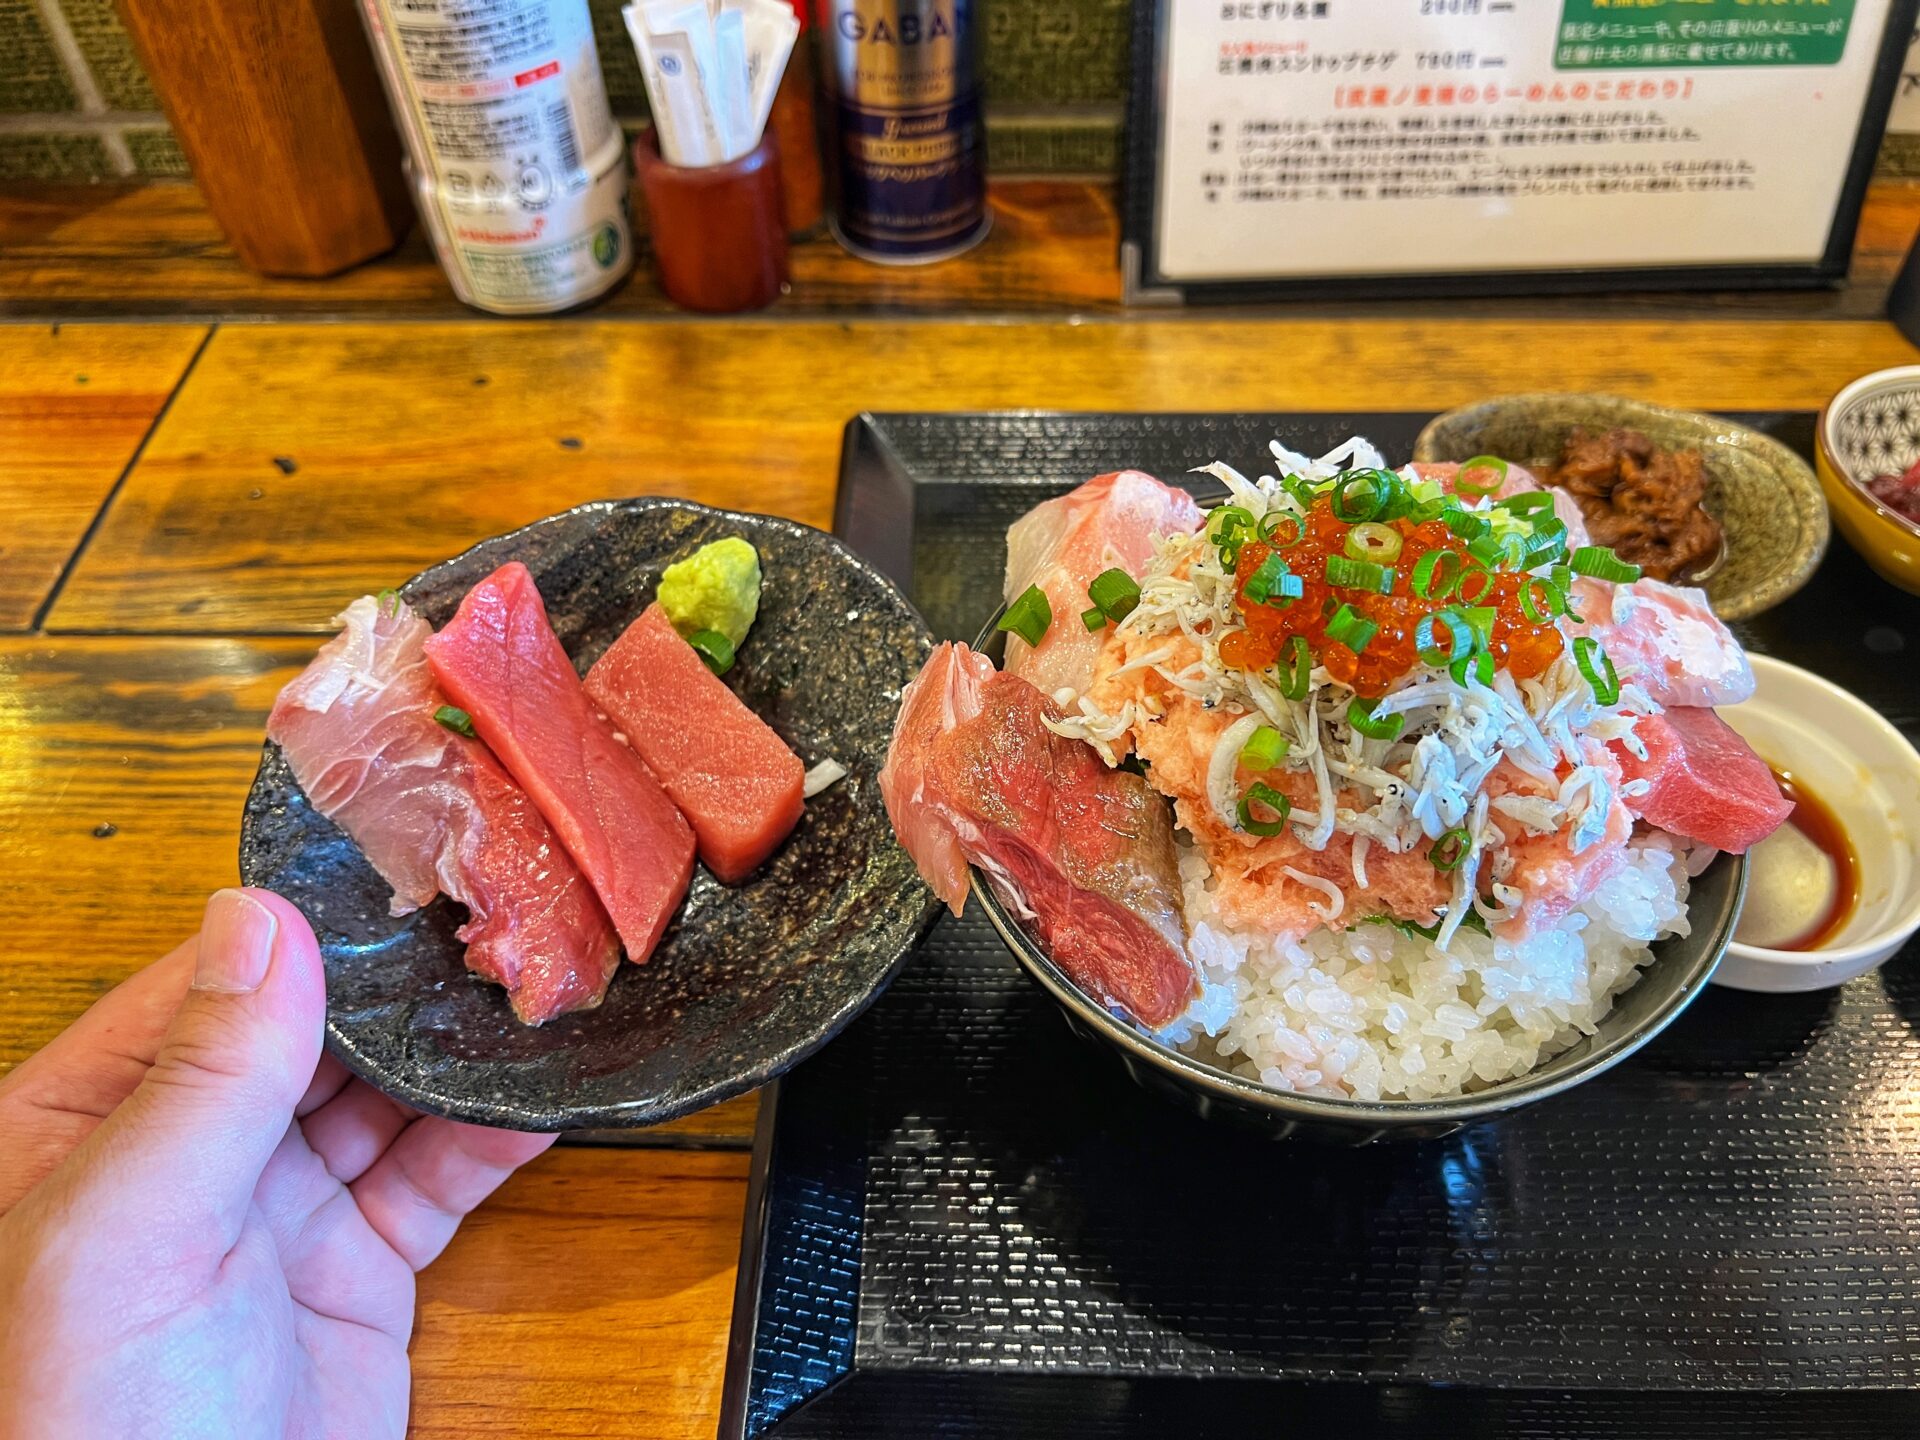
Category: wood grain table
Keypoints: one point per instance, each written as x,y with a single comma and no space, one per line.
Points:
183,506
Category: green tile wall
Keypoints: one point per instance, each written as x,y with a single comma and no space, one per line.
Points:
1055,81
51,157
109,51
31,76
157,155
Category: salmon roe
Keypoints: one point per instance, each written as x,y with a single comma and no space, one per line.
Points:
1516,644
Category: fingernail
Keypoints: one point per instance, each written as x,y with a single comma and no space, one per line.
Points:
236,943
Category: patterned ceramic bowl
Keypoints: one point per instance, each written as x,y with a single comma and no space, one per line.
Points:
1760,491
1873,428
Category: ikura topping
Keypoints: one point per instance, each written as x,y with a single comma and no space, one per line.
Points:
1373,654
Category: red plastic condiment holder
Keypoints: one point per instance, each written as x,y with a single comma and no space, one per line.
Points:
718,232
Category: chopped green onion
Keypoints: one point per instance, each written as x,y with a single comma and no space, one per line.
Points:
1361,495
1562,577
1459,637
1296,674
1421,511
1450,849
455,719
1547,542
1302,490
1375,727
1371,541
1597,667
1527,503
1270,527
388,603
1464,524
1273,584
1028,617
1094,619
1436,573
717,650
1493,551
1228,521
1265,748
1351,629
1345,574
1602,564
1540,602
1481,618
1261,793
1491,464
1479,665
1115,592
1469,575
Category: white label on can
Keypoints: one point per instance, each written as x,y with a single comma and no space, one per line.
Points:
518,165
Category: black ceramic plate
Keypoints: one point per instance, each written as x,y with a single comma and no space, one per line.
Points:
748,980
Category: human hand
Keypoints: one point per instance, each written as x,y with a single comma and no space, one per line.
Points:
207,1227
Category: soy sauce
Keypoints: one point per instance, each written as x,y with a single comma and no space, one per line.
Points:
1806,879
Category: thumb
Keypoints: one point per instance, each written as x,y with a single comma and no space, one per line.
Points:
175,1165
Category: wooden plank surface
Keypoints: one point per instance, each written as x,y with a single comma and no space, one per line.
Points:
153,250
75,401
589,1297
405,444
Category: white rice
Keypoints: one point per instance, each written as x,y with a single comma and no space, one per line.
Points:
1370,1013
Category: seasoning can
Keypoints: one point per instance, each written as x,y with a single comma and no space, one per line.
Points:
901,82
515,161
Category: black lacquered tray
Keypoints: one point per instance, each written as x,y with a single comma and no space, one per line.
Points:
965,1222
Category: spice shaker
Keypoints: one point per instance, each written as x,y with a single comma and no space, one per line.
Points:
905,156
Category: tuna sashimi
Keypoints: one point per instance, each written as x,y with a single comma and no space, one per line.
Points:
944,693
1063,543
1667,639
1083,853
500,661
435,812
1704,781
734,779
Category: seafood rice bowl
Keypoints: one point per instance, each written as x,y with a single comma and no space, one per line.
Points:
1370,783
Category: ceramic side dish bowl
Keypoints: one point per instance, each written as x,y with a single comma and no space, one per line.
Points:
749,979
1679,971
1869,775
1763,495
1873,428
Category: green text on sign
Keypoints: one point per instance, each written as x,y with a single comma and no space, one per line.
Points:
1699,34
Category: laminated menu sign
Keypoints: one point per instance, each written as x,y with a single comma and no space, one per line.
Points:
1668,139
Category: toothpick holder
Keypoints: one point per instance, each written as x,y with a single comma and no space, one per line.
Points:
718,232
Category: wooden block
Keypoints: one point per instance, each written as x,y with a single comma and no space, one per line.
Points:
75,402
409,443
588,1297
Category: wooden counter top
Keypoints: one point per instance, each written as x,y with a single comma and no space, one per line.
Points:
176,529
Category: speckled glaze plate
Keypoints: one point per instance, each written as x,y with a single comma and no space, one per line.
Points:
749,980
1765,496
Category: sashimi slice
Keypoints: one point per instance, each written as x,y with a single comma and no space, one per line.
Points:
500,661
1704,781
1081,852
736,781
1062,544
434,812
941,696
1667,639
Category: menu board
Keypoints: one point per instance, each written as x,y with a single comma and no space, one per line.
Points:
1672,140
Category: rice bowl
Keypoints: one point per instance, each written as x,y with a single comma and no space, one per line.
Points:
1292,867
